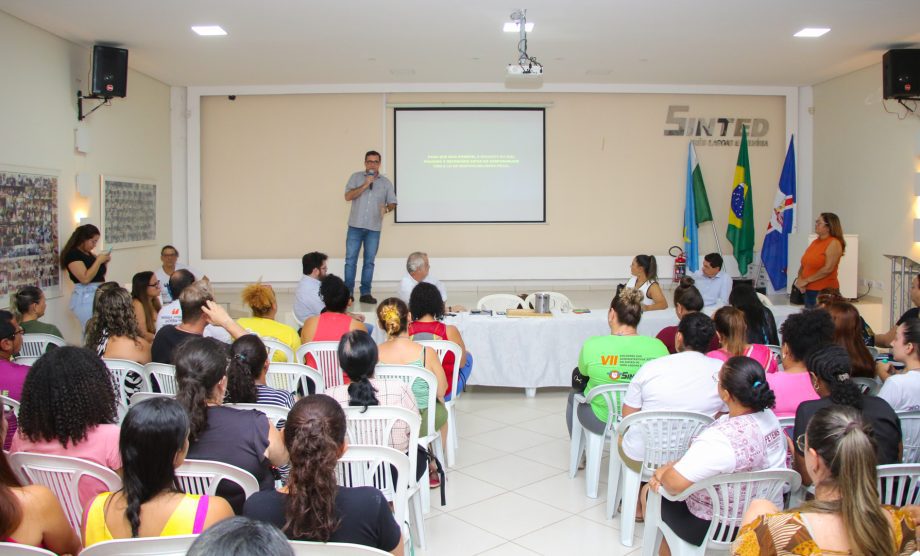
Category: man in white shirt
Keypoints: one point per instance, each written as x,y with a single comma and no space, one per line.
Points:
685,381
169,257
307,302
418,270
714,284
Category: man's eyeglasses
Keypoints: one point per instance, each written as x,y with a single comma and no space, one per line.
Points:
800,443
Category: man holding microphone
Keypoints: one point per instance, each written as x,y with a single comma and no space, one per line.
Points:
371,196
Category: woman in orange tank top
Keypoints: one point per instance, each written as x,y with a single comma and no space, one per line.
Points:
821,259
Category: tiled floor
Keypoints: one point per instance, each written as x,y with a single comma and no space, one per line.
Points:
509,492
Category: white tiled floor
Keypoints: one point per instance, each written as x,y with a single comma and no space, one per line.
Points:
509,492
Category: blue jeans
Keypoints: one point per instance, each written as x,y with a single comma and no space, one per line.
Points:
81,302
811,298
353,241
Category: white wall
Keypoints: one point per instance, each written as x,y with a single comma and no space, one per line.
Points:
866,162
131,138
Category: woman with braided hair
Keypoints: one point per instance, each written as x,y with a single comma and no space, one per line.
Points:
845,517
154,441
312,507
830,368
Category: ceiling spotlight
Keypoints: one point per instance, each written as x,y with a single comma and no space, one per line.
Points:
812,32
209,30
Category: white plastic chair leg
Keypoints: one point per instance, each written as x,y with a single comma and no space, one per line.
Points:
452,440
631,482
651,536
613,482
576,445
594,449
418,521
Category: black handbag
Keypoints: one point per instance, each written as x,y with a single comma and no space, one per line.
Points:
796,297
579,381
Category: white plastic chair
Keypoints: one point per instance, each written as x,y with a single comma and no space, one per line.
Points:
202,477
731,494
326,357
144,546
666,436
443,347
121,381
557,302
10,403
13,549
910,436
62,475
293,321
27,361
141,396
764,299
310,548
778,352
292,377
274,413
585,441
500,302
275,345
372,466
409,374
899,484
34,345
374,427
165,376
868,386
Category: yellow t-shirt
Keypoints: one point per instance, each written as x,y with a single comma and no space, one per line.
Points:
272,329
187,519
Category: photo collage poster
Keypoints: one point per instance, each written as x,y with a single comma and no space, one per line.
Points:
129,209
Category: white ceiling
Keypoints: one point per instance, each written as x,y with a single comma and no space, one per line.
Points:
274,42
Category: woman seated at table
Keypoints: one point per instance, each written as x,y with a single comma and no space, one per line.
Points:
644,278
845,516
261,300
732,332
802,333
747,439
848,332
687,299
312,507
112,331
30,303
761,326
153,443
613,359
426,308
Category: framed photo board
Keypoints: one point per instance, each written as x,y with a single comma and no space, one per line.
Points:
129,212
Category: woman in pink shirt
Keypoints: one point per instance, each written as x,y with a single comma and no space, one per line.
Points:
732,332
68,409
801,333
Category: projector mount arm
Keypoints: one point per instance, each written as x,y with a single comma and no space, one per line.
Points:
526,62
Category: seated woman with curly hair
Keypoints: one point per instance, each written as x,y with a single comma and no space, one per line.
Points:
112,332
68,409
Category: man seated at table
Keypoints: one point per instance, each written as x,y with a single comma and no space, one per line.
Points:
714,284
307,301
885,340
419,270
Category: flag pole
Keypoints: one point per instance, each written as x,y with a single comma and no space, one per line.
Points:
715,235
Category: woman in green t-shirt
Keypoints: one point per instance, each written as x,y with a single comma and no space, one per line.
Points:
613,359
30,303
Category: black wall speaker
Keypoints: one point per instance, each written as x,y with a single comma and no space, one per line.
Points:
901,73
110,71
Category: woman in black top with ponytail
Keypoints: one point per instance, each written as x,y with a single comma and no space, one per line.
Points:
153,442
246,375
312,506
830,368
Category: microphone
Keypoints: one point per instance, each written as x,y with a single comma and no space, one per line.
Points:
371,173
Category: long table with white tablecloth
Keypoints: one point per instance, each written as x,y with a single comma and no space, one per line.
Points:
534,352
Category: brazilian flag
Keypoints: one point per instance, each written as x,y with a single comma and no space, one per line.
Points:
741,210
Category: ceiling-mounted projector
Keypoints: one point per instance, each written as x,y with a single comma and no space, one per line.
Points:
531,70
527,66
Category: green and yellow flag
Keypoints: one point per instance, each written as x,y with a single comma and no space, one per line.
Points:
741,210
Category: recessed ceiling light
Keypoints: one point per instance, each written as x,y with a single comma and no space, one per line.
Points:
515,27
812,32
209,30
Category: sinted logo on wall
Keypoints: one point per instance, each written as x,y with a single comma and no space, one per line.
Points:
714,131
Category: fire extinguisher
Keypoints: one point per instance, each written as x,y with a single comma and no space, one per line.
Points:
680,263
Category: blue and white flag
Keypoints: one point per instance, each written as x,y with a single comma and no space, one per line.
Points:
775,252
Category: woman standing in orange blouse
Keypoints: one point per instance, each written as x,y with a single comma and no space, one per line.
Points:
821,259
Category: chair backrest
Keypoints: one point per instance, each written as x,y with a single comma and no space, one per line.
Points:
787,424
145,546
443,347
291,319
24,360
164,376
62,475
141,396
13,549
326,356
128,377
557,301
373,466
777,352
202,477
764,299
10,403
910,436
666,434
34,345
868,386
499,302
275,345
409,374
374,427
292,377
310,548
899,484
274,413
732,493
613,395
